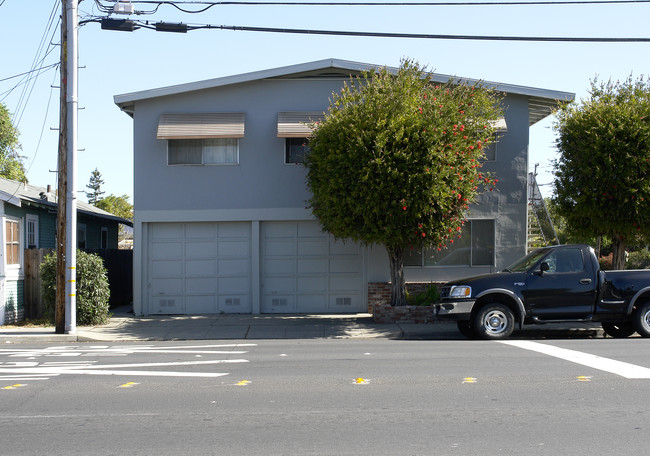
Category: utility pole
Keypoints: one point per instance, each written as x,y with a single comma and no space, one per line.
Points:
66,309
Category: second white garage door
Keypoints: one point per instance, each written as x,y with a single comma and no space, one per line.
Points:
304,270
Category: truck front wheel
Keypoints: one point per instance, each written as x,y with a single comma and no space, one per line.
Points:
494,321
641,318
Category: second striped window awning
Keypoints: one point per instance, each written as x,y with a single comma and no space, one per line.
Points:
297,124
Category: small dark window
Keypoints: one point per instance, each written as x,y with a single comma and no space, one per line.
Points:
296,150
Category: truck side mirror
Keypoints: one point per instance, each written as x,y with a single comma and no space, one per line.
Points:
544,267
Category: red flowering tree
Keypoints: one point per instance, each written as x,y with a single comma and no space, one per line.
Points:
602,183
397,161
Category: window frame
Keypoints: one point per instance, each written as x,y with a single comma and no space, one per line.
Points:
103,237
9,240
287,149
31,220
203,147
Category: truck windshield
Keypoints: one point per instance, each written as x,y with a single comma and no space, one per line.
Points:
526,262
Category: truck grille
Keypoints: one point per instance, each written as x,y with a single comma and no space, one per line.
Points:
444,292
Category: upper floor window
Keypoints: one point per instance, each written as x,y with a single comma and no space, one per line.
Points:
202,138
32,231
296,128
215,151
474,247
81,236
296,150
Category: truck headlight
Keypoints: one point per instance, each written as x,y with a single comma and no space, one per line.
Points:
460,291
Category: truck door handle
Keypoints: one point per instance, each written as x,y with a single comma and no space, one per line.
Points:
585,281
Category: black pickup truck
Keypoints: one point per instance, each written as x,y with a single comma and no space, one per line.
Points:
561,283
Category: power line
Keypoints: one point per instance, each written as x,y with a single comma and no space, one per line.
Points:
46,67
132,25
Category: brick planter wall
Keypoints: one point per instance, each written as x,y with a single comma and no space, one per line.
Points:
383,312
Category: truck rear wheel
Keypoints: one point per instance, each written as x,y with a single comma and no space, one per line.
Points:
641,319
618,330
494,321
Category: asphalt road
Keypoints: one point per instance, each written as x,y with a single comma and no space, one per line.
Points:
327,397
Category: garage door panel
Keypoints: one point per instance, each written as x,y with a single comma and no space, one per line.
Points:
280,284
200,231
313,247
312,266
200,268
199,285
168,305
310,229
344,283
235,304
167,231
280,230
232,285
234,248
200,250
167,286
280,247
279,303
166,250
311,284
233,267
234,230
343,303
282,266
311,303
345,265
167,269
201,304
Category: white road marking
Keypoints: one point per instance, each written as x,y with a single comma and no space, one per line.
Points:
612,366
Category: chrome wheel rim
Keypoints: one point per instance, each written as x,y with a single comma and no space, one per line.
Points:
495,322
646,320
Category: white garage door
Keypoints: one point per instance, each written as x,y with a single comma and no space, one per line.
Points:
199,268
306,271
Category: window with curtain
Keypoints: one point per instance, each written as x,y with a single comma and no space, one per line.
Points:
475,247
214,151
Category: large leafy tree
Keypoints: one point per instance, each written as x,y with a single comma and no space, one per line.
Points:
397,161
11,163
117,205
602,175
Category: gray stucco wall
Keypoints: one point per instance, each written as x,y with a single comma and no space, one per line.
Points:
261,180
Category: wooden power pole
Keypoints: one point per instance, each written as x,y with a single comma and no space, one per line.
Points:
66,308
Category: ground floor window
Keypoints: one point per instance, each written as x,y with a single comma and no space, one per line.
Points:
12,242
475,247
296,150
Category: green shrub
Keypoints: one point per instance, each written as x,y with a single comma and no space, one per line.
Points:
92,288
638,260
429,296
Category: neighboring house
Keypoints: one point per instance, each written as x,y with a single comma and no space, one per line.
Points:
221,223
29,216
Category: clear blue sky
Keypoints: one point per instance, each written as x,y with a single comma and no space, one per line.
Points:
121,62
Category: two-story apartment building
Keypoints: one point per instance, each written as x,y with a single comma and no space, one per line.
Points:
221,223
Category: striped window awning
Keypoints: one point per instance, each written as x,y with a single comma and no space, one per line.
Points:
297,124
201,125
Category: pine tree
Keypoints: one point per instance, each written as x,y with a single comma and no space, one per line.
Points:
95,193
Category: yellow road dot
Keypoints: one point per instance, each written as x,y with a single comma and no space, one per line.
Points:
361,381
128,385
243,383
17,385
470,380
582,378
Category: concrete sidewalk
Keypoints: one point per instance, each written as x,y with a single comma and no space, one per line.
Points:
124,326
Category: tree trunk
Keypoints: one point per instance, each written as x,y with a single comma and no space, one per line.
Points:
618,250
397,283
